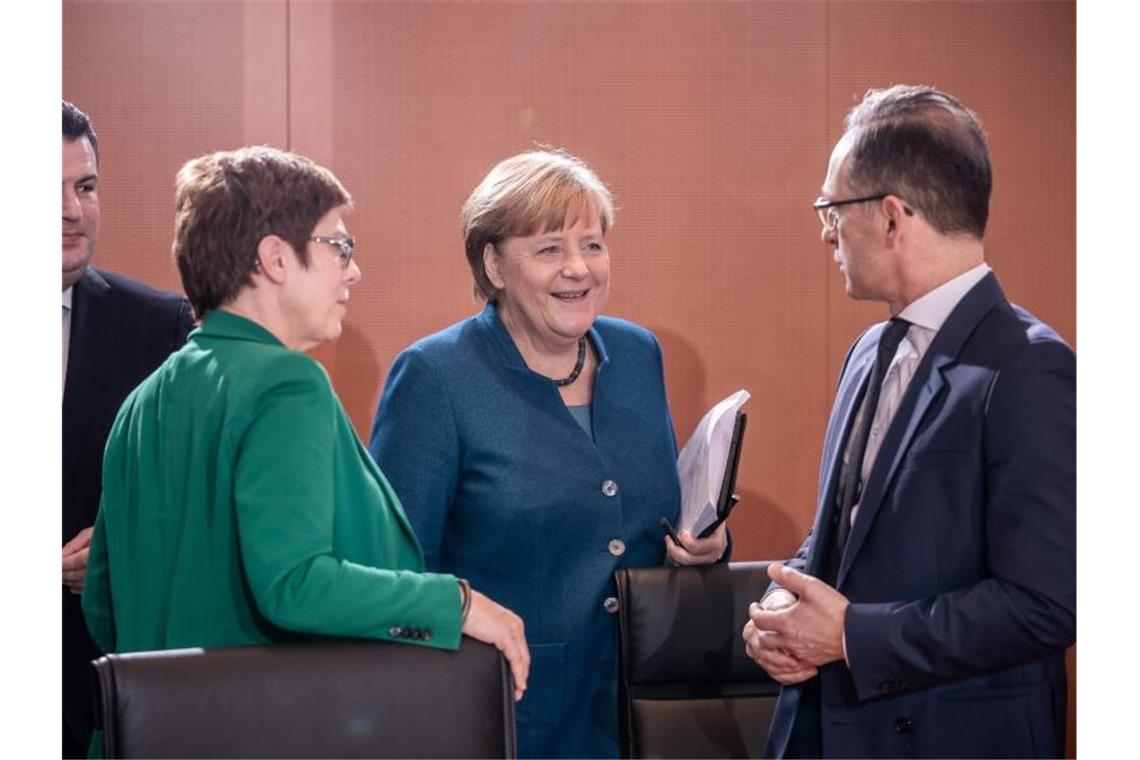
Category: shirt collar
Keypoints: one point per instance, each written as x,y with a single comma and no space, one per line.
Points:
67,294
932,310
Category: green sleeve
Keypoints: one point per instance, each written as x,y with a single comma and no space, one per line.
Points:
285,481
97,590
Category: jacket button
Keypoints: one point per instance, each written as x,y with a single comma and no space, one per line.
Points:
617,547
610,605
903,725
395,631
609,488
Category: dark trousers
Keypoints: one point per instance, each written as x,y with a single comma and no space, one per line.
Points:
806,739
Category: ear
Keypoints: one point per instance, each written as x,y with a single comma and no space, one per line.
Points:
272,258
491,265
897,215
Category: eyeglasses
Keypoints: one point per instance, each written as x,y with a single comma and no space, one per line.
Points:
345,246
829,218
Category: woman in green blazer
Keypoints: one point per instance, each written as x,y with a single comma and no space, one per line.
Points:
238,505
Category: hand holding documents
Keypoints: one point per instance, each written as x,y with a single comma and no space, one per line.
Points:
708,463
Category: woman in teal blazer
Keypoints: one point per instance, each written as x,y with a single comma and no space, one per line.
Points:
238,505
533,445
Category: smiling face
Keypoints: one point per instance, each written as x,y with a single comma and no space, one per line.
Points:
316,298
554,283
80,208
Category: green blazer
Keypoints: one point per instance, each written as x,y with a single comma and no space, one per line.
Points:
239,507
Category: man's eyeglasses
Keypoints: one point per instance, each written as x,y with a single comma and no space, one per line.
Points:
825,209
345,246
829,217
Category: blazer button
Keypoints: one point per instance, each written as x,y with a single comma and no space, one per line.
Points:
903,725
609,488
395,631
617,547
610,605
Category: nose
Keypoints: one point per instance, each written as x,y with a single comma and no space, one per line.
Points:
828,235
72,208
354,272
574,266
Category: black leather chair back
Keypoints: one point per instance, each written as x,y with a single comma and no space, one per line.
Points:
689,690
328,699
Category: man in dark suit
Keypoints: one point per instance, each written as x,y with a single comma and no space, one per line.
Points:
115,333
928,611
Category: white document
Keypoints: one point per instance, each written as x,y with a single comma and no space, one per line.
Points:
702,462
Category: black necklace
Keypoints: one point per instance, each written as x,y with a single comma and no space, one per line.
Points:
577,365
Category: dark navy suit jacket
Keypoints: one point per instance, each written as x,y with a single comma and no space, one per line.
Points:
121,330
961,565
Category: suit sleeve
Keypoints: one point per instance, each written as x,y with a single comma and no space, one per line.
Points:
415,442
284,481
97,610
1026,606
184,323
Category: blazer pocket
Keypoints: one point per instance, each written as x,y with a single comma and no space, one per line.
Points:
542,703
927,458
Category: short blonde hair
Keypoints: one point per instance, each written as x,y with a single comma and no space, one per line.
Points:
529,194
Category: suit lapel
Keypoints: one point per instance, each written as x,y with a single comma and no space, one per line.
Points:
924,387
93,336
850,392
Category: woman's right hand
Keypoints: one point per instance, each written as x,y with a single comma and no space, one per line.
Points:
495,624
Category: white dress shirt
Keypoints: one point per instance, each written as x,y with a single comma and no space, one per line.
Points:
66,331
926,317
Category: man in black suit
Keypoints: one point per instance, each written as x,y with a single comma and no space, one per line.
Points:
115,333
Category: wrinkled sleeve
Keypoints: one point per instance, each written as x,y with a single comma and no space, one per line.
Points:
284,489
97,610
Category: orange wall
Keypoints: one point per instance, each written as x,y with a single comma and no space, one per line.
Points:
711,121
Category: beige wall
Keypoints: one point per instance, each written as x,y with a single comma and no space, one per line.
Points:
711,121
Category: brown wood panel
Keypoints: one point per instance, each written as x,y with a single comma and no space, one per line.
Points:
163,83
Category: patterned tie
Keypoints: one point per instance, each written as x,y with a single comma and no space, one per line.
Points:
850,484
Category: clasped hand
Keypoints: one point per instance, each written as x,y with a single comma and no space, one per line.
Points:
796,628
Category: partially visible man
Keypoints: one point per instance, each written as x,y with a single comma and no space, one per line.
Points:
928,611
115,333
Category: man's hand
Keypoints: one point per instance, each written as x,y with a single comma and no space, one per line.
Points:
697,551
75,560
759,644
810,631
494,624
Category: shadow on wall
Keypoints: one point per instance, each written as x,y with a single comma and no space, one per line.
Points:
684,381
761,528
355,372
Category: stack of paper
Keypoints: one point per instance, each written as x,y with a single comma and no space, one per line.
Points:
701,464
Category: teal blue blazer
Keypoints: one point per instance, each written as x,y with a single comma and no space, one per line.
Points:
503,487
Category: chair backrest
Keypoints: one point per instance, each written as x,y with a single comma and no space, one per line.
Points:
689,690
323,699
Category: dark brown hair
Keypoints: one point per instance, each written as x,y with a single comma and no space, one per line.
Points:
927,148
77,124
226,202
